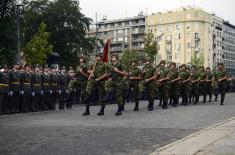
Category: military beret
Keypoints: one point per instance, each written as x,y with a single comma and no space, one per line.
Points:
183,65
147,59
99,54
173,63
162,62
115,55
221,63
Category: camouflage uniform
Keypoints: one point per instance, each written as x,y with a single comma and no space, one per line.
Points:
194,81
219,83
184,75
202,83
149,87
174,86
134,84
99,70
164,85
209,87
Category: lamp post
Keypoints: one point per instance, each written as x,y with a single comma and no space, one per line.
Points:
19,54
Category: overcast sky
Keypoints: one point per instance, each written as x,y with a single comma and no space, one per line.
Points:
114,9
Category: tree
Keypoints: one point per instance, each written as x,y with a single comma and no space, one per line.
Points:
37,50
127,56
150,46
197,61
66,24
8,42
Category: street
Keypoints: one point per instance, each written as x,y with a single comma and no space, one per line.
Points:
137,133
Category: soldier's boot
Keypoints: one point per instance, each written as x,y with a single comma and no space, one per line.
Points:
101,110
87,111
204,99
196,100
222,99
123,105
186,101
164,105
136,105
216,96
190,99
119,111
150,106
160,103
171,101
174,102
210,96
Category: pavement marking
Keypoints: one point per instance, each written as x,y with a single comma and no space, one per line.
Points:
202,135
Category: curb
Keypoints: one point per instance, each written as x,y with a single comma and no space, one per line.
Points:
190,136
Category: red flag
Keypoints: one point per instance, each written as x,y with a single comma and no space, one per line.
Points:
106,51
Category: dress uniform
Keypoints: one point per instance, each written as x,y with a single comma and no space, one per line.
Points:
14,89
26,89
62,89
45,77
35,89
149,76
4,89
53,86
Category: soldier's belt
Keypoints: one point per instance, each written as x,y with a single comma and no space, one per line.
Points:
37,85
3,85
45,84
26,83
15,82
54,84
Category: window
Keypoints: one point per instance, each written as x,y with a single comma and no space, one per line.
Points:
178,26
196,35
188,45
120,39
120,31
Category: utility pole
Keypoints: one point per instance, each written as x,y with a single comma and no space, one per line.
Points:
96,33
18,55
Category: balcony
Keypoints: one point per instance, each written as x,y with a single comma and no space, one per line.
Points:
137,39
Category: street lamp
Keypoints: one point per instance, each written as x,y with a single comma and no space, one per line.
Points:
19,54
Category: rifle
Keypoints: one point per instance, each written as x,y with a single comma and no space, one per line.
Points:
92,74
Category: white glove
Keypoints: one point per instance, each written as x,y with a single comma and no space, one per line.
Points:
22,92
11,93
67,91
41,92
33,93
59,91
50,91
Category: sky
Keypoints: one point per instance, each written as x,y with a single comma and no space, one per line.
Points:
115,9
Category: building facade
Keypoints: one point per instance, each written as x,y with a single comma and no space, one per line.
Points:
229,47
183,34
124,34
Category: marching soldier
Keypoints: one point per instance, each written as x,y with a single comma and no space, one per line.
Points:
26,89
209,87
135,77
149,76
71,88
45,88
14,89
96,79
202,83
81,78
174,87
185,77
115,83
194,81
35,89
62,91
220,79
4,89
163,83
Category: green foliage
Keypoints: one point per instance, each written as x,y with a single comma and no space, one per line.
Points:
8,42
127,56
198,61
37,50
150,46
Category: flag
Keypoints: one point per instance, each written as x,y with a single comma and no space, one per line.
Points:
106,51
